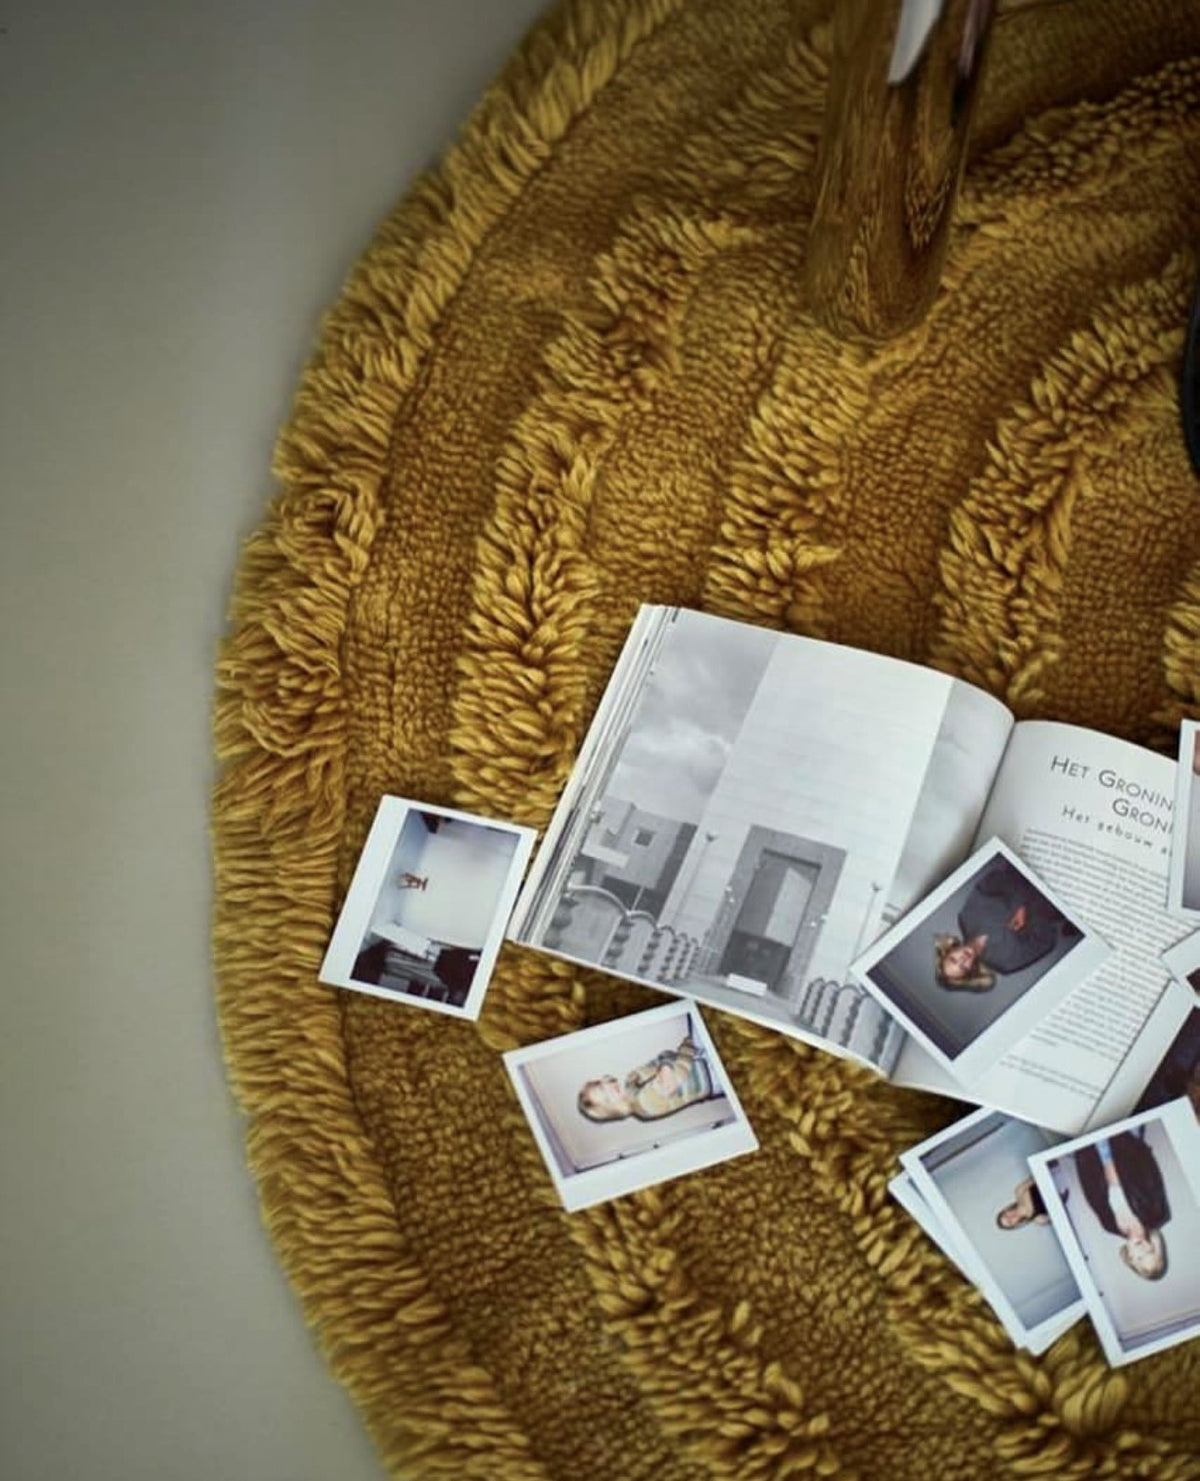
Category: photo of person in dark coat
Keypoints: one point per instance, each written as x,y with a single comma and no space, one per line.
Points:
1124,1188
1005,924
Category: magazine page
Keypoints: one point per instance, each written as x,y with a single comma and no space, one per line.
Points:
1159,1074
967,753
1092,816
739,816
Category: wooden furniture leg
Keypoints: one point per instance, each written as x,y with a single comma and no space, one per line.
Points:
901,120
893,146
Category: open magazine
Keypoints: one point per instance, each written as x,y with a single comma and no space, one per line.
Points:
752,810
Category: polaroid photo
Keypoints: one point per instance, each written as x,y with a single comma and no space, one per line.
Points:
427,908
1125,1203
1183,961
1184,890
974,1177
980,962
908,1196
627,1104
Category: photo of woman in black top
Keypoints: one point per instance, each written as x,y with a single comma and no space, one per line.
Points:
1005,925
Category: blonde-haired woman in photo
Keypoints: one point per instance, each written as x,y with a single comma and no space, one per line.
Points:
1005,925
670,1081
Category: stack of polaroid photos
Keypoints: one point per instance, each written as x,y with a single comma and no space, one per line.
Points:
985,908
1104,1223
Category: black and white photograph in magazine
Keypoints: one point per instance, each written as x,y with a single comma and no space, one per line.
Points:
1184,898
1125,1203
628,1104
426,911
980,962
1183,961
735,821
974,1177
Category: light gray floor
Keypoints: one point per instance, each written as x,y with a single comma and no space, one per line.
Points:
182,188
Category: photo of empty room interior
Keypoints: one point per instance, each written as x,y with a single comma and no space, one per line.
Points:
436,908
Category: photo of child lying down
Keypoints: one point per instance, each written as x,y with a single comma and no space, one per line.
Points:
673,1079
626,1104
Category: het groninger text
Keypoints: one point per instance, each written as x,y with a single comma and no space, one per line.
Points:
1141,809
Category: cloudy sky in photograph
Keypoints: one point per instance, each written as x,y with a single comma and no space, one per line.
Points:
690,714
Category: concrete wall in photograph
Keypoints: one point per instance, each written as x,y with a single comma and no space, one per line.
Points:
810,760
466,866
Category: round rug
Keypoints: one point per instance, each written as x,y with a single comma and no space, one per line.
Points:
576,371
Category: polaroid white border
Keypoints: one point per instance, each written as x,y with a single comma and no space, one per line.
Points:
1183,1132
1036,1339
1183,959
1058,982
908,1196
1185,783
372,866
658,1164
912,1201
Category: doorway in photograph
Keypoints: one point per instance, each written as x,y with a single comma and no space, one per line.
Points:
778,894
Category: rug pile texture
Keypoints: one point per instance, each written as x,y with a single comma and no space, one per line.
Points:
576,371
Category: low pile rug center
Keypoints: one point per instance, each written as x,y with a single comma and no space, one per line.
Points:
576,371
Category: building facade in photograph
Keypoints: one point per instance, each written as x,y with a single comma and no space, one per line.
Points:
801,805
761,886
634,854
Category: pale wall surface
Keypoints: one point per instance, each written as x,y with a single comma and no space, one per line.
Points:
182,188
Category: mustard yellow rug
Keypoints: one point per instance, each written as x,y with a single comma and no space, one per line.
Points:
576,371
